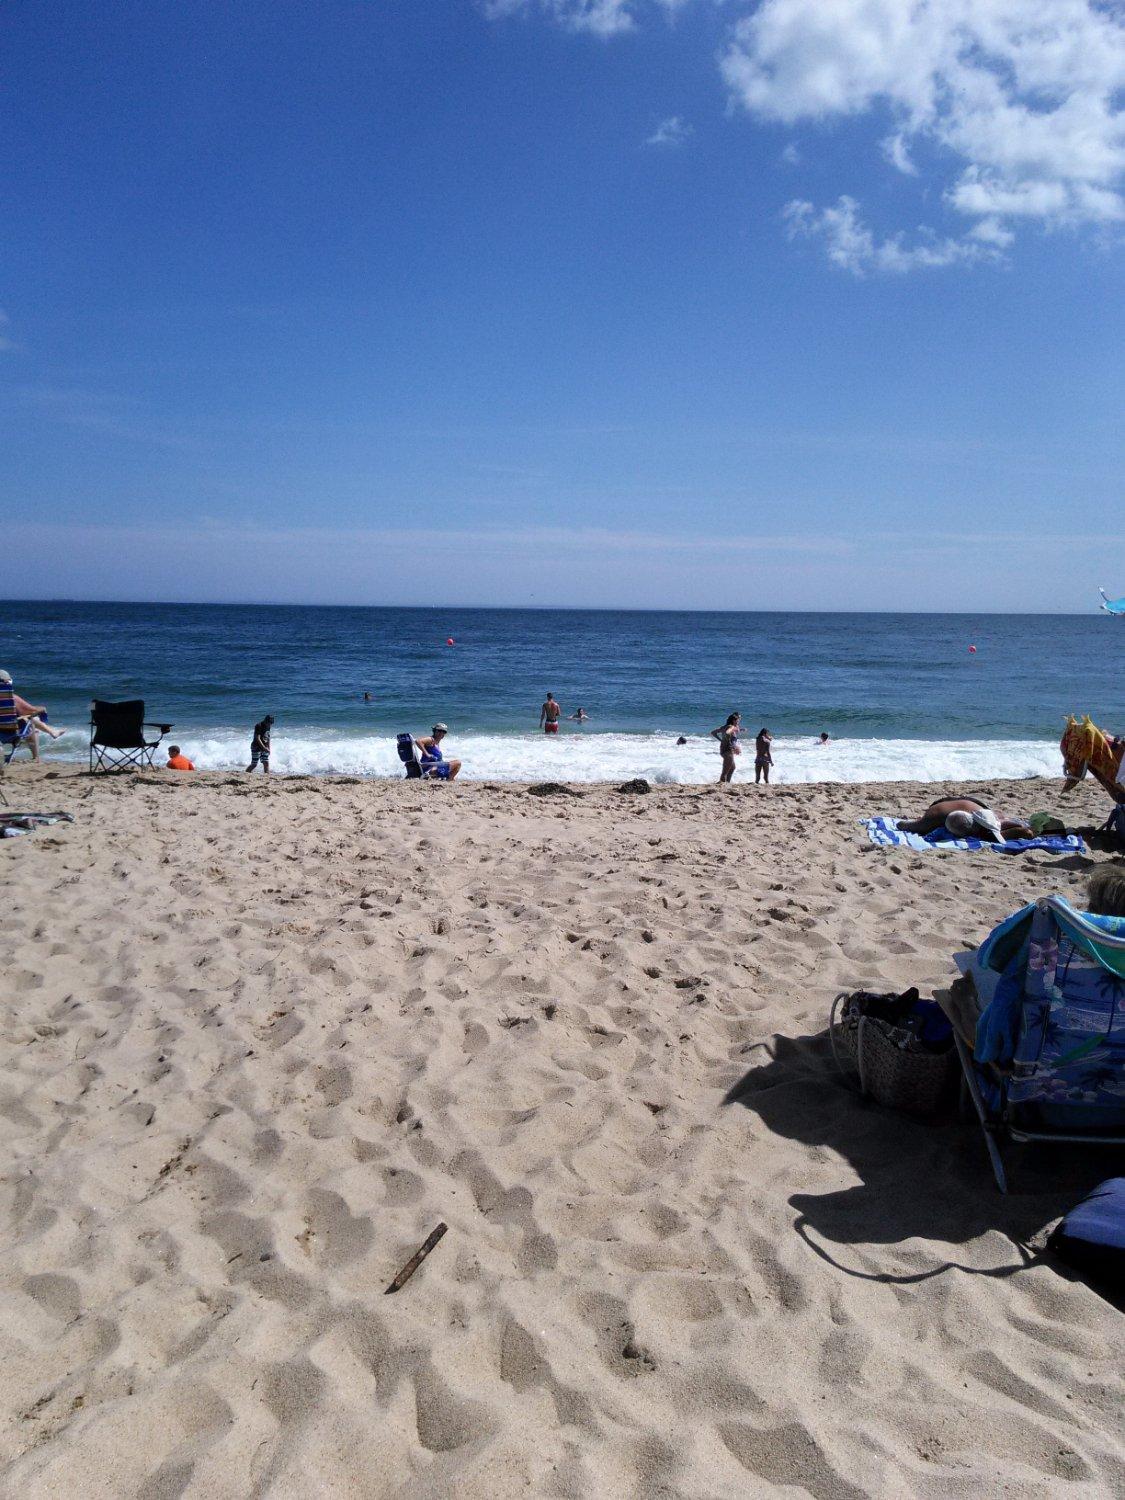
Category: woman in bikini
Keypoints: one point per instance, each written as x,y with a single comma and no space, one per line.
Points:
727,737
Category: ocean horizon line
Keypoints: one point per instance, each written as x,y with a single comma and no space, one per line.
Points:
584,609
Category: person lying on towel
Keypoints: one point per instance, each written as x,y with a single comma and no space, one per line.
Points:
966,818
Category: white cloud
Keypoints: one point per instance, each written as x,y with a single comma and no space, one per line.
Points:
1022,98
791,156
850,244
673,131
600,17
894,149
1023,92
992,232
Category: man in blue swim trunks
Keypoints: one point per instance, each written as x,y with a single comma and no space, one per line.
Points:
434,765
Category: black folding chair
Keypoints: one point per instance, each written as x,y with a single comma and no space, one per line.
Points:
117,736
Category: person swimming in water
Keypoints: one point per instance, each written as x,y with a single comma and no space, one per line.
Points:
579,715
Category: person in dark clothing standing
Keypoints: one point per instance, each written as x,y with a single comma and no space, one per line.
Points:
260,745
763,756
727,737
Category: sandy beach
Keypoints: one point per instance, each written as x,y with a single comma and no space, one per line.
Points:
261,1037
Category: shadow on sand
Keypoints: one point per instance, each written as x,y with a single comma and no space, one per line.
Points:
918,1179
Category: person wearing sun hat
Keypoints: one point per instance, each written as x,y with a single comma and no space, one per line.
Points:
981,823
434,765
966,817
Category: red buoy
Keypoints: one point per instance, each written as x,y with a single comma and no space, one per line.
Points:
449,641
972,650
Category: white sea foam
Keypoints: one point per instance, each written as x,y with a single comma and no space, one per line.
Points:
578,756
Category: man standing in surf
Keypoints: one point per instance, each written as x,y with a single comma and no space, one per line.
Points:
549,715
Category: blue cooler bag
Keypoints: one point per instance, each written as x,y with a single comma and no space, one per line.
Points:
1091,1238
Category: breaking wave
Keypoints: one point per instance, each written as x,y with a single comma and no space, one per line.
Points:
588,757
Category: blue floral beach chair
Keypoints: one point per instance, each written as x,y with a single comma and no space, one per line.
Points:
1049,1058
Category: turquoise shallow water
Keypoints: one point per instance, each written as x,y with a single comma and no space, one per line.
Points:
899,694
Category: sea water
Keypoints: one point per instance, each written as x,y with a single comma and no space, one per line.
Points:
901,696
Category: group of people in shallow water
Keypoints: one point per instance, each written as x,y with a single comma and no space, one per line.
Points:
21,722
551,713
29,720
728,735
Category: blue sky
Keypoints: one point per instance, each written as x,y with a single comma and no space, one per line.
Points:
668,303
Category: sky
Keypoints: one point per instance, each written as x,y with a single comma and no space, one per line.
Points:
623,303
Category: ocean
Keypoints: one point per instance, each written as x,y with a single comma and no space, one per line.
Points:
901,696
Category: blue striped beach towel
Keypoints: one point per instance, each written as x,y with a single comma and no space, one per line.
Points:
886,833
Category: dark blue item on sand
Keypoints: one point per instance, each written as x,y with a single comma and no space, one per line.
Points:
1091,1237
407,753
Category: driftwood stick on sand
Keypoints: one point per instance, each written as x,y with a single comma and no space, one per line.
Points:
416,1260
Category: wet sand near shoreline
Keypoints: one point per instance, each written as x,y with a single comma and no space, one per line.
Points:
262,1036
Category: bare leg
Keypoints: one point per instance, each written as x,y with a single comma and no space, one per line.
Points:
56,734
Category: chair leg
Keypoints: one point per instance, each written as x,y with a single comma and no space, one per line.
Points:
986,1124
996,1159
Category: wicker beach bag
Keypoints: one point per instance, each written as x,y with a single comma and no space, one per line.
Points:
894,1068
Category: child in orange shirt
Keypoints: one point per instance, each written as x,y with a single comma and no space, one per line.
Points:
177,761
